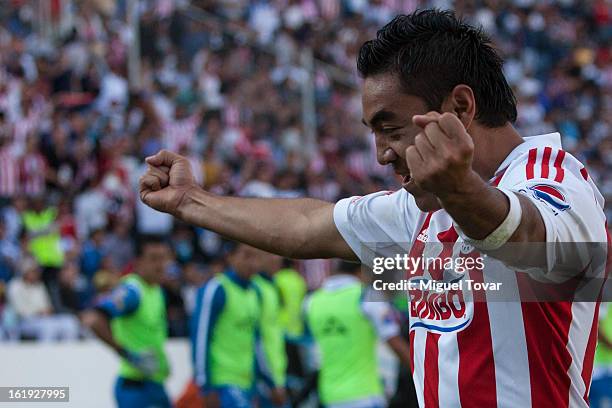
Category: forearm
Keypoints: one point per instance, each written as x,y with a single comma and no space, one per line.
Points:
401,348
480,208
294,228
99,324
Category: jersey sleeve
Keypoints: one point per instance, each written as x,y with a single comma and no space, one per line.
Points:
122,301
378,224
210,300
382,317
570,205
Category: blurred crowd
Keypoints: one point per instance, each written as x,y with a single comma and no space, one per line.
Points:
226,87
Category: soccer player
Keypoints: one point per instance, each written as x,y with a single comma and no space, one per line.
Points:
441,113
271,329
132,321
292,289
346,329
224,336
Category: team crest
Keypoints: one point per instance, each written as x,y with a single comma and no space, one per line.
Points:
550,195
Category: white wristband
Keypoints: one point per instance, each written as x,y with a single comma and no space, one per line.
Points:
501,234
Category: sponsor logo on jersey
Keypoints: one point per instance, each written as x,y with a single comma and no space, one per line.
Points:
550,195
447,311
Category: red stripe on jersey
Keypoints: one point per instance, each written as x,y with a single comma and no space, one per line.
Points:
589,355
448,237
547,326
411,335
585,173
533,153
417,249
476,363
545,160
498,178
432,374
558,163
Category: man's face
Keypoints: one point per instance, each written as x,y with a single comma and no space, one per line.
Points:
154,260
245,260
388,112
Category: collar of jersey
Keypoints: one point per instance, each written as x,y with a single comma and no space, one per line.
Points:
548,139
230,273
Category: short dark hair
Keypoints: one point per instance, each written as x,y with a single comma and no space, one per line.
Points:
433,51
149,239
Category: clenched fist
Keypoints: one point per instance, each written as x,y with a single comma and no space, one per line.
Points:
440,161
166,181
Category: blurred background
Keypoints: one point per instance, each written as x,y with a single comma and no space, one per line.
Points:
264,99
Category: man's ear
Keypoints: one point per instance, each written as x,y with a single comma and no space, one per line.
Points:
462,103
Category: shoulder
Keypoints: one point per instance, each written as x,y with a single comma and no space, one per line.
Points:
211,286
379,200
212,292
309,300
544,162
559,185
387,211
387,218
131,282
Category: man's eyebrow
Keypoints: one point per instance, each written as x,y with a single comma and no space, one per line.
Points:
379,117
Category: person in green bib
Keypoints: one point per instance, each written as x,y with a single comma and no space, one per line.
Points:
132,321
601,388
292,288
44,241
271,328
224,334
346,329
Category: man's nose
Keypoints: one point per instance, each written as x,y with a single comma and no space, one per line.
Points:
386,156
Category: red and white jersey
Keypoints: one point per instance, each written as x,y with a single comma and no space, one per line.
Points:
32,174
495,353
180,133
9,173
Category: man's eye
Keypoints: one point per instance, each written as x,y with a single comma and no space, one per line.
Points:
389,130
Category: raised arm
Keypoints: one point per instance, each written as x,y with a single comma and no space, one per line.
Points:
294,228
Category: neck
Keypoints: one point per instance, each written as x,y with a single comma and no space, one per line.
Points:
150,280
493,145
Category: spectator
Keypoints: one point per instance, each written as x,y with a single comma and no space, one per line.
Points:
44,242
73,291
9,163
194,277
119,245
183,243
10,254
92,253
175,306
30,300
228,93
